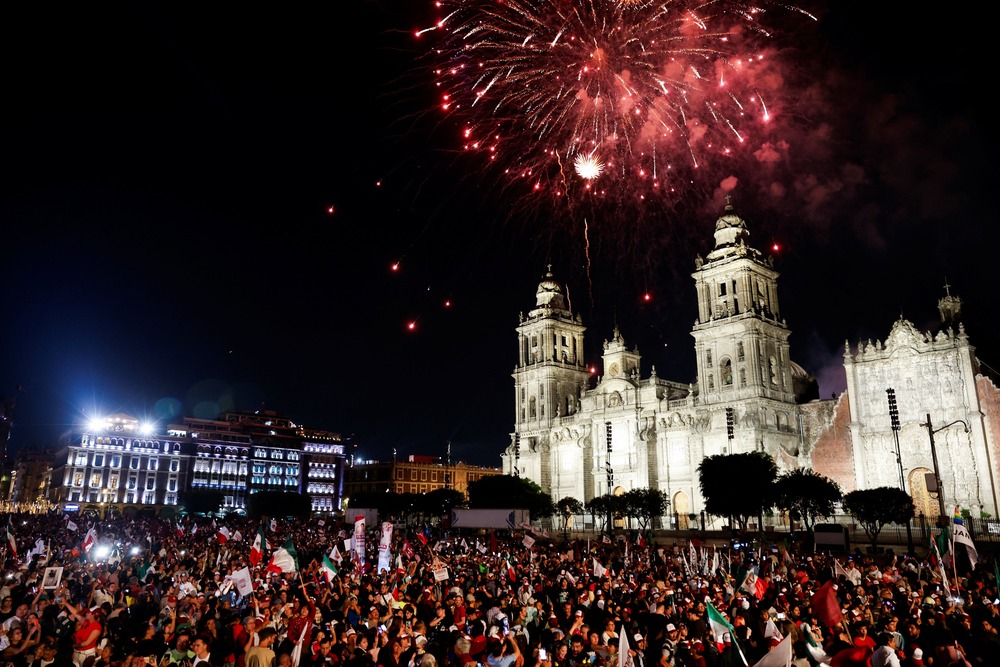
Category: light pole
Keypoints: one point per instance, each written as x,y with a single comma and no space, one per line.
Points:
610,471
894,424
937,471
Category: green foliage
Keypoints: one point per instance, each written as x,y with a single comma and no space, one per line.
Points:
807,496
394,506
601,506
738,486
644,504
279,504
441,501
567,507
874,508
202,501
500,491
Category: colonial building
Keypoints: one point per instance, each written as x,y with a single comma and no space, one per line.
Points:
630,431
29,476
417,474
119,464
944,409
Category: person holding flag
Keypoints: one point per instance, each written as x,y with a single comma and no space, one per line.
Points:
960,535
259,545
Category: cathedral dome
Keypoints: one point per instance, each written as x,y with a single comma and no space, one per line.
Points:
550,293
730,229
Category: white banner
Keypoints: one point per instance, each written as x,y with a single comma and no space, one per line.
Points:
243,582
359,541
385,548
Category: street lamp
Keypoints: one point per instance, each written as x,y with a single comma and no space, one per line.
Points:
937,472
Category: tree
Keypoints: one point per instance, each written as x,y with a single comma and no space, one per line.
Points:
807,496
644,504
501,491
441,501
279,504
738,486
605,506
874,508
567,507
202,501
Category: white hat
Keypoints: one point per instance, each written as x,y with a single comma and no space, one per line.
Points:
671,627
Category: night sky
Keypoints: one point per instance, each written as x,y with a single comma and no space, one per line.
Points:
169,247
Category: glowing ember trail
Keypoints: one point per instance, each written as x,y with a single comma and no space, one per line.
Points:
631,92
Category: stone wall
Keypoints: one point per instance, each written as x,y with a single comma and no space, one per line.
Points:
827,424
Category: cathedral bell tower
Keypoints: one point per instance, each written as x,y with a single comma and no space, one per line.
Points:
550,369
741,340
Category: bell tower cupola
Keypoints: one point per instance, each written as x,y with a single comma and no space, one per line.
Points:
551,369
741,340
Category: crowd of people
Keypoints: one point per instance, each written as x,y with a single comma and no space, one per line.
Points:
137,592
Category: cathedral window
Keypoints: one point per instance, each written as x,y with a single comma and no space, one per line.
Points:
532,411
708,357
722,289
726,372
773,362
740,355
711,382
743,377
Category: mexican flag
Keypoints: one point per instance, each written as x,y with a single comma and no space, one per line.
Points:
329,569
721,627
258,546
222,534
10,537
284,559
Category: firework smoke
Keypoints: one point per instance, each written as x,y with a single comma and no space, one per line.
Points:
639,96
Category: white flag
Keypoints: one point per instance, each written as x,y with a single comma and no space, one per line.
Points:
780,656
960,535
335,555
599,570
528,541
624,659
71,526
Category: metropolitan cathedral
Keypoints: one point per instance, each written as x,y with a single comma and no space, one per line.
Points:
631,431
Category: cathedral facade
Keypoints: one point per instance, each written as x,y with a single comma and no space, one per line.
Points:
630,431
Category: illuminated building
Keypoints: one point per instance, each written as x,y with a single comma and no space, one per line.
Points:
581,439
417,474
117,463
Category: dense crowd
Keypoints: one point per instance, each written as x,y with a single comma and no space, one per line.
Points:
158,593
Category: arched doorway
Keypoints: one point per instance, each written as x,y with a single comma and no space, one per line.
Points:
923,502
681,508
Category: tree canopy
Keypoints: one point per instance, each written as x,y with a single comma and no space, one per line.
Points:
202,501
500,491
567,507
807,495
874,508
279,504
435,503
645,504
738,486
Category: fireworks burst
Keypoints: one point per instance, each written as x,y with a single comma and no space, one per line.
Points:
635,94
